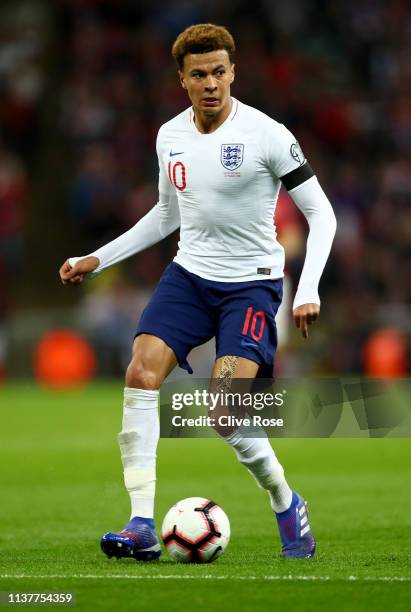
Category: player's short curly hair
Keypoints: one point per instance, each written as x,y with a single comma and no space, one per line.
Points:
202,38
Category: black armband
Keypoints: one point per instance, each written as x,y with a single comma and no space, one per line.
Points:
297,177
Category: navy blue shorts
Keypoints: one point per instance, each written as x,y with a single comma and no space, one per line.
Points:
186,310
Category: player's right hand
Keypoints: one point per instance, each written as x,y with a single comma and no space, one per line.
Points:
77,273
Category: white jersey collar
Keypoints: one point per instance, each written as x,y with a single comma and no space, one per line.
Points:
233,113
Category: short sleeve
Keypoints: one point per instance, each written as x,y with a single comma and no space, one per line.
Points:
165,188
282,150
167,204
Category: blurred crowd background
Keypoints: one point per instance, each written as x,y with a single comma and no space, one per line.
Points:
84,87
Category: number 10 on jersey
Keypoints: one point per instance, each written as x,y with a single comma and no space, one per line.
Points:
177,175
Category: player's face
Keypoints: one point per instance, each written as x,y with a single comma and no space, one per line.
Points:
207,77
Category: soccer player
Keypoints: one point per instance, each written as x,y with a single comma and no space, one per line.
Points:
221,165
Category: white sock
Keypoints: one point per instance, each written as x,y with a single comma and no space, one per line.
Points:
138,444
259,458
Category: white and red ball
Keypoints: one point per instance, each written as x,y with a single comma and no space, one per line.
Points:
196,530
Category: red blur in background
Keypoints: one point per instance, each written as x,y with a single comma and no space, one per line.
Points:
385,354
63,359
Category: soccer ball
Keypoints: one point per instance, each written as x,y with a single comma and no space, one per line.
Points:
195,530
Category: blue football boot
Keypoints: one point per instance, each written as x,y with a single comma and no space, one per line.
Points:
138,540
295,531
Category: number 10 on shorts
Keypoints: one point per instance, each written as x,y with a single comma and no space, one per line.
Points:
255,323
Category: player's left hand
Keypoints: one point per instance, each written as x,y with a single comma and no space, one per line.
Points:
304,315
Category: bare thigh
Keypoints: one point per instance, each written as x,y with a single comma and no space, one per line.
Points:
226,369
151,362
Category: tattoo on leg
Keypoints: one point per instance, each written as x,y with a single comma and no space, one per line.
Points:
226,373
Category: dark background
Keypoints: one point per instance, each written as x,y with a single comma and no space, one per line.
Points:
84,87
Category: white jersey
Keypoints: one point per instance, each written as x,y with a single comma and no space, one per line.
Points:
221,190
226,184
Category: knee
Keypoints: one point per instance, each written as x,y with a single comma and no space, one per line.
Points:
141,376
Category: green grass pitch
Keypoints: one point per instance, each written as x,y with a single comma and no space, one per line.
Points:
61,489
